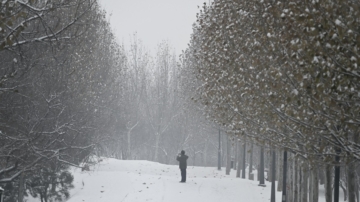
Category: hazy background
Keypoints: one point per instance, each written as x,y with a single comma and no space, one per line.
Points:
153,20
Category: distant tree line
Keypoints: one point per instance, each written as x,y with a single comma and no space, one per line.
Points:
156,117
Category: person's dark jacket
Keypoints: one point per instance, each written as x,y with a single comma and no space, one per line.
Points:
182,161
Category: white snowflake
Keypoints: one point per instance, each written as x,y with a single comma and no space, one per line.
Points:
295,92
338,22
315,60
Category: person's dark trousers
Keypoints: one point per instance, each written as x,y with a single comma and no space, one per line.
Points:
183,175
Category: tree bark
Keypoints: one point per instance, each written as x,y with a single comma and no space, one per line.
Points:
328,183
21,188
337,176
343,182
262,164
284,191
128,149
321,177
304,188
273,169
280,172
344,190
300,182
239,159
205,153
251,160
244,159
296,187
311,185
228,155
236,154
290,190
157,142
357,192
315,174
219,152
269,177
351,180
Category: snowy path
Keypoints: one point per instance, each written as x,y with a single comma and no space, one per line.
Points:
140,181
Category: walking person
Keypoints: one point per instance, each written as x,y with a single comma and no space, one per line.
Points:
182,158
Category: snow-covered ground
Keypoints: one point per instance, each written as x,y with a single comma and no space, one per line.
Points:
140,181
125,181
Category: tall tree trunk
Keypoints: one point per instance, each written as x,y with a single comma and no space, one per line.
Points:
219,152
290,191
296,187
157,142
322,177
244,159
311,185
262,167
273,169
351,180
280,172
284,188
130,128
45,196
300,181
357,190
269,177
315,173
118,153
344,190
304,188
354,166
343,181
236,154
21,187
239,159
251,160
53,177
328,183
228,155
205,153
337,176
128,152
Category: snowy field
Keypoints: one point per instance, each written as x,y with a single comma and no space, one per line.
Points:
125,181
140,181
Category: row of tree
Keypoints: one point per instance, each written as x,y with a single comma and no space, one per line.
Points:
284,75
69,91
59,67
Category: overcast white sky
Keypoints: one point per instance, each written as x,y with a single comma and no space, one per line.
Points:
153,20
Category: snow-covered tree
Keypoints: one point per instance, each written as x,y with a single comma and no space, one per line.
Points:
287,69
